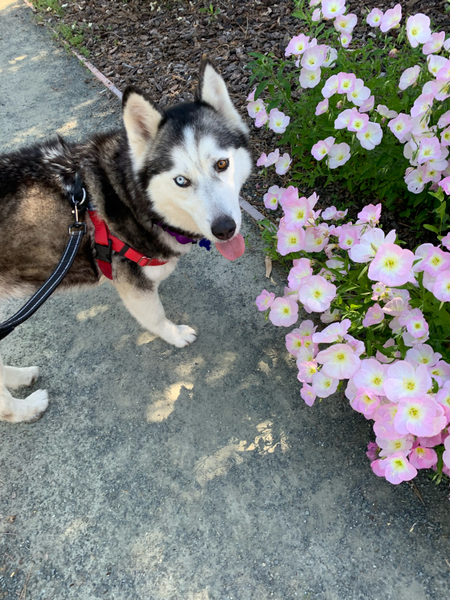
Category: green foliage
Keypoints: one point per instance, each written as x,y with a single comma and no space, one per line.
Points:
377,173
48,6
212,12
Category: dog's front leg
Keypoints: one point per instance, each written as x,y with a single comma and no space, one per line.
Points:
146,307
17,410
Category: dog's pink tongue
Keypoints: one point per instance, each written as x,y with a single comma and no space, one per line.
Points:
232,249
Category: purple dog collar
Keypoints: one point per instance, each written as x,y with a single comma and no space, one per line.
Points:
182,239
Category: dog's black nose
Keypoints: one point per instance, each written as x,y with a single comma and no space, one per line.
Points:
223,228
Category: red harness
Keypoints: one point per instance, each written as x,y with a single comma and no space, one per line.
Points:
106,244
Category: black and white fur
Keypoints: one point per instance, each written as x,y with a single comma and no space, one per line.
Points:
133,177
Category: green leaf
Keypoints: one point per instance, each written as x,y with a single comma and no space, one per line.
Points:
430,228
261,87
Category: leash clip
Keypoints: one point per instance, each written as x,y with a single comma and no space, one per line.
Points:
77,226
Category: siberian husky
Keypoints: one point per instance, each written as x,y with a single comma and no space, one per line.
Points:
166,176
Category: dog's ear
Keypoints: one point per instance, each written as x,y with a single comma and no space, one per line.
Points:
141,119
212,90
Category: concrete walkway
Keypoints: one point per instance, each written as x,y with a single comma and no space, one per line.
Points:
193,474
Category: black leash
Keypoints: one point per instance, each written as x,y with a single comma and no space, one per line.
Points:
78,201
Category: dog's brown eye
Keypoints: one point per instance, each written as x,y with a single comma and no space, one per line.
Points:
221,165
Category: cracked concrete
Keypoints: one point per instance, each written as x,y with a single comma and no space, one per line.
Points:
193,474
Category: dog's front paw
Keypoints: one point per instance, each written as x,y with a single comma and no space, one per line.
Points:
36,405
18,377
185,336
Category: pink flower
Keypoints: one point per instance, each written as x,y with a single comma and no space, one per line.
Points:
374,315
323,386
339,361
365,402
391,18
372,239
332,333
283,163
415,180
343,119
422,105
371,376
338,155
446,455
289,240
371,136
434,260
418,29
316,238
434,43
392,265
272,158
357,122
422,354
345,24
331,87
333,213
429,149
416,416
265,300
445,137
322,148
317,293
384,422
256,107
372,451
316,16
299,274
261,118
400,126
261,162
346,83
278,121
444,120
367,105
306,370
401,444
349,236
414,322
441,287
374,17
384,111
294,341
333,8
405,381
445,185
370,214
296,212
314,57
309,79
283,312
409,77
360,94
322,107
444,71
308,394
423,458
297,45
251,96
377,467
271,198
435,63
396,467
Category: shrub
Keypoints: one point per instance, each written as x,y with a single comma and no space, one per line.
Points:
388,329
373,115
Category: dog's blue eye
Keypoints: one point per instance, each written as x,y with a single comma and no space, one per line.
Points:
182,181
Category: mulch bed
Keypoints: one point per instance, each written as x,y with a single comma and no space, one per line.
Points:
157,46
